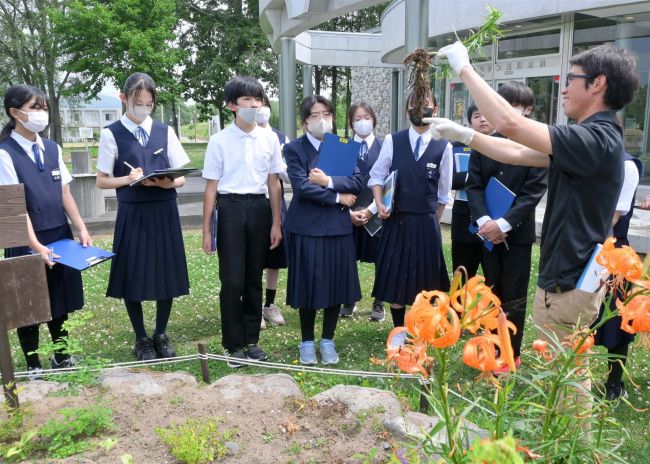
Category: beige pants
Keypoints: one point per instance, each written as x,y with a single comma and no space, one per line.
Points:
562,314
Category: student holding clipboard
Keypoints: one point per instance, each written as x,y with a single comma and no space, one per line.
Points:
149,262
322,264
410,257
37,163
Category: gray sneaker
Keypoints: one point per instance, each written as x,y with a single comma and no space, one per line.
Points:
308,353
272,315
347,311
378,314
328,352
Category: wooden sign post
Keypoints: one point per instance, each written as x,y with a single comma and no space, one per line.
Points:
24,299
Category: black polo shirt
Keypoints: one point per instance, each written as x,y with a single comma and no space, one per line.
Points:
584,181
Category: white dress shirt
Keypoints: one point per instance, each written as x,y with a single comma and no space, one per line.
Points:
107,153
283,175
630,183
381,168
8,174
242,161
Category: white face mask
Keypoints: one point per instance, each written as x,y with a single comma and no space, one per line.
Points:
320,127
140,112
248,115
37,121
263,115
363,127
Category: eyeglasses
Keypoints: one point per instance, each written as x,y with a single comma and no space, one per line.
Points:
319,115
571,76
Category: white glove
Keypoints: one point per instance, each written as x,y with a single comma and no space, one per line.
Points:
442,128
456,54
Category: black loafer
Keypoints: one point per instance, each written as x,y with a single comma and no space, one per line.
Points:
144,349
162,346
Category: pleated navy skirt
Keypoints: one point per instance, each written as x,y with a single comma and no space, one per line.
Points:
610,334
366,245
409,259
149,262
64,284
322,271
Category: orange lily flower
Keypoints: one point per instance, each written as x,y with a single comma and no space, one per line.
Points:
480,353
503,332
476,302
541,346
635,314
623,262
410,358
436,324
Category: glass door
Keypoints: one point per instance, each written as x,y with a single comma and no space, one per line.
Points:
546,90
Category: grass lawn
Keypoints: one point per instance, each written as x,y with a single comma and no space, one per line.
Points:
196,317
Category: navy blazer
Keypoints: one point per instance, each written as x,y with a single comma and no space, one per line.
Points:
313,209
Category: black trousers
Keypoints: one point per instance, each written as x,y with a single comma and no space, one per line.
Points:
243,240
508,272
469,255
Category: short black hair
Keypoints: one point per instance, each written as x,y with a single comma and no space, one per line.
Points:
366,107
517,94
242,86
266,101
136,83
470,112
619,68
308,102
16,97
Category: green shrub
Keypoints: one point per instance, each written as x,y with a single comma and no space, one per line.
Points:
197,441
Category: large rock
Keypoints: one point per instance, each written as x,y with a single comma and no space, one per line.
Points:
236,387
145,383
36,390
361,399
417,425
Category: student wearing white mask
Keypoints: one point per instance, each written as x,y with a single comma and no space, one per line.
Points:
276,258
149,262
363,120
242,163
37,163
322,264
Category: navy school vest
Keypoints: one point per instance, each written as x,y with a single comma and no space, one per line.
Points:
282,138
149,158
417,181
43,196
373,154
623,224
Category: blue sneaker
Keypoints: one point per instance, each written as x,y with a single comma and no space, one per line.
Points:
328,352
308,353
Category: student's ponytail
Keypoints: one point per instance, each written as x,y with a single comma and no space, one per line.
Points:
16,97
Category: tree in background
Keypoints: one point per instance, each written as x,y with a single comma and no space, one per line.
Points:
106,41
31,53
357,21
223,39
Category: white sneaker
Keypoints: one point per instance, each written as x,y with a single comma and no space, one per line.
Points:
399,340
272,315
263,324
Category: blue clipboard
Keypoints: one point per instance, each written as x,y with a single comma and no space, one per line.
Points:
338,155
74,255
461,164
498,201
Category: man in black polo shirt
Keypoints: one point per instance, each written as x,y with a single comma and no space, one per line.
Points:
585,162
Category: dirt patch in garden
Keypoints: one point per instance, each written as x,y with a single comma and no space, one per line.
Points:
269,429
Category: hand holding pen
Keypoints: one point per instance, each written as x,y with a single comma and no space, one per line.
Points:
135,173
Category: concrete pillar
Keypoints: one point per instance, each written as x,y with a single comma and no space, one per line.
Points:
288,87
307,81
81,163
416,36
90,199
417,24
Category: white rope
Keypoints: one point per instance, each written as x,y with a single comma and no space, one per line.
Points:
249,362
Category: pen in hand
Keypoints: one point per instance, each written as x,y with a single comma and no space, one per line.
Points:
128,165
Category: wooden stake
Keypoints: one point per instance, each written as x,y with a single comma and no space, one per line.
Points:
205,372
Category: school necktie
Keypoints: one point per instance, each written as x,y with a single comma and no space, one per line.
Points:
142,136
416,152
363,151
37,157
